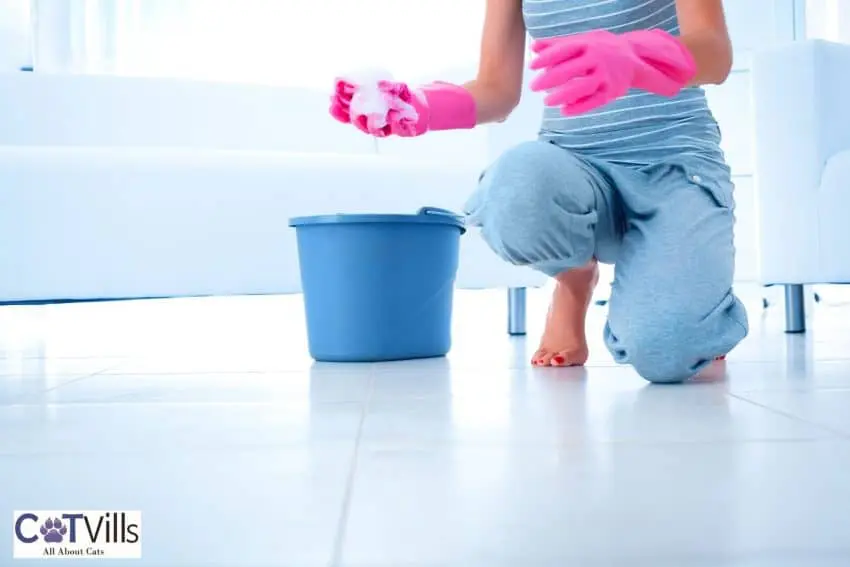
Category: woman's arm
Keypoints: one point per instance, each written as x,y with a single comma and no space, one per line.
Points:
702,28
498,86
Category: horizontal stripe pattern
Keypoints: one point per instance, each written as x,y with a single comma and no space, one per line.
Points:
640,128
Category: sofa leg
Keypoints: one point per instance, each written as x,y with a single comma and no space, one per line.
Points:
516,311
795,309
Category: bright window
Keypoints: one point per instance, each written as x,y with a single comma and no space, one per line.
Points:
291,42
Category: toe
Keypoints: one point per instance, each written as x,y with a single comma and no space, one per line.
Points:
545,359
537,357
572,357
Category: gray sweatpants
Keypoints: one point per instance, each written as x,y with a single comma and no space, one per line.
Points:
668,229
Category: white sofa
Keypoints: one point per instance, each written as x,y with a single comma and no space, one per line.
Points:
801,101
128,188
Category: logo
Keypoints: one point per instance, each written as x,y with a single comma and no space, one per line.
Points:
77,534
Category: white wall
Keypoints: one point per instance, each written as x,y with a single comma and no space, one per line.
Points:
753,24
15,44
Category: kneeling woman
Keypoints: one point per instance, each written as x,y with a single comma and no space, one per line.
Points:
627,170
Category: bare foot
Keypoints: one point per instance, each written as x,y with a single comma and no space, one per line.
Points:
564,342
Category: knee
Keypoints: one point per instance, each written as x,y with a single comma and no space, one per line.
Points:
673,343
529,178
663,363
661,353
532,188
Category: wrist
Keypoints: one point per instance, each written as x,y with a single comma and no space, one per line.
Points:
660,53
446,107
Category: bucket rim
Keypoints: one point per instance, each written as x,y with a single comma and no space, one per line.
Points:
443,218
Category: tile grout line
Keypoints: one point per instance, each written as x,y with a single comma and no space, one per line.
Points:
342,524
78,379
21,402
840,434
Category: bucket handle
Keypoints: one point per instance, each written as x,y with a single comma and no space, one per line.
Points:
439,211
461,220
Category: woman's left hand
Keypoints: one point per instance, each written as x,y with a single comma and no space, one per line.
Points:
585,71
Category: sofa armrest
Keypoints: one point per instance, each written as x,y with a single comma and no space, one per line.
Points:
801,113
802,119
114,111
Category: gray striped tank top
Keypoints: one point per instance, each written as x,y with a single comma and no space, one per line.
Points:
641,128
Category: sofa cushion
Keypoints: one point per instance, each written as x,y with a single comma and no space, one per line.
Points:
82,223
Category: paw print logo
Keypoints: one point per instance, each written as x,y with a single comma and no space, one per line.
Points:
53,530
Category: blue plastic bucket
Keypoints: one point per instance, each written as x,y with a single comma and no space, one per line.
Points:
378,287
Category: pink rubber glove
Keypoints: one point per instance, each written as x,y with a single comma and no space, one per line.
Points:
433,107
341,100
585,71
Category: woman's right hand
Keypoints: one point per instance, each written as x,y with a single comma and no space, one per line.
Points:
405,112
489,98
386,108
341,100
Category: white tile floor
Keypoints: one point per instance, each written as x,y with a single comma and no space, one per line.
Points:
208,416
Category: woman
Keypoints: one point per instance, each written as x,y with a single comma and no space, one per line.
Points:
627,170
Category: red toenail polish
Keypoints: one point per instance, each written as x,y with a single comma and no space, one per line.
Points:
559,359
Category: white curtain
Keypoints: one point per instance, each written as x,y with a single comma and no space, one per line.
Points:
294,42
828,19
288,42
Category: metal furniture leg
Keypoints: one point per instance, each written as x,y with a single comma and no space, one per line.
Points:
516,311
795,309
